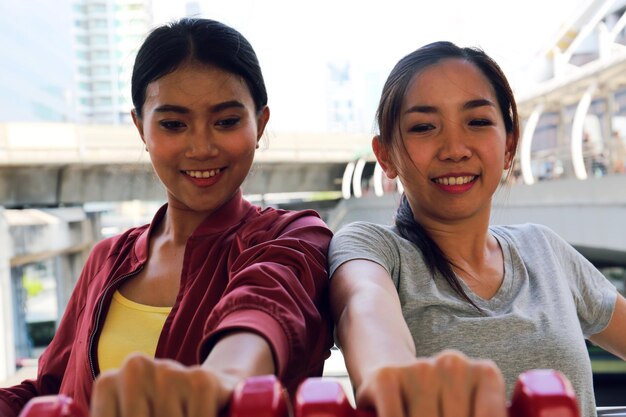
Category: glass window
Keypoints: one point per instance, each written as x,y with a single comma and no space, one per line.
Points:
100,55
101,70
99,40
101,86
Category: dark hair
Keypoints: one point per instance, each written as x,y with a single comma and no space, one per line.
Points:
202,40
388,118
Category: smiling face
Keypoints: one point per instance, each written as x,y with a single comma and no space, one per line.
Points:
201,128
452,147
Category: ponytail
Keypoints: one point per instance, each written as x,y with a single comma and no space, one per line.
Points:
435,259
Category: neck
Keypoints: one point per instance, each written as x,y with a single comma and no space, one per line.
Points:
178,225
465,242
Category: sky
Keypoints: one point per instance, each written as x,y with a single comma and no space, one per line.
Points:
295,41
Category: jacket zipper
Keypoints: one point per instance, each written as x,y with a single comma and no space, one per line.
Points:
92,337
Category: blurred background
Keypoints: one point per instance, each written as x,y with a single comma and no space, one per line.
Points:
72,168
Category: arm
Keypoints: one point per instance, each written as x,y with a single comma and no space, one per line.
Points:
149,387
278,288
365,305
613,337
380,354
269,319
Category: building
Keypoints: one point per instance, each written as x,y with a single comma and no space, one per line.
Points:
36,72
106,35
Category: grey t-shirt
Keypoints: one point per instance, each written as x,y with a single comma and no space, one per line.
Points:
550,300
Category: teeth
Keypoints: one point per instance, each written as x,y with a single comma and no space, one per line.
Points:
455,180
203,174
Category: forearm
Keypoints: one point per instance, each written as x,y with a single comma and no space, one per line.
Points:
371,329
238,355
372,338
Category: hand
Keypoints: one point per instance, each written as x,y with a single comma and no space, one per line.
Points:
449,384
146,387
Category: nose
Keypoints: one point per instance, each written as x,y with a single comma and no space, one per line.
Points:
201,144
454,146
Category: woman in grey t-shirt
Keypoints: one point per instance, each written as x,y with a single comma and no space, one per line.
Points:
438,314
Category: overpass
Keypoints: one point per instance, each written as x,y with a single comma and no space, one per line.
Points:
57,164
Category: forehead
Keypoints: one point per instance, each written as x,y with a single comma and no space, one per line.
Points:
197,83
449,80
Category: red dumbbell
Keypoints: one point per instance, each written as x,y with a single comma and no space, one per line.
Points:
538,393
325,397
259,396
543,392
52,406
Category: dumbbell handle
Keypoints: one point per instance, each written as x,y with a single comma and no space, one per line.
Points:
537,393
611,411
259,396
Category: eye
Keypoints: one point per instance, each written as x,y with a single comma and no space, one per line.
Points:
172,124
421,128
228,122
480,122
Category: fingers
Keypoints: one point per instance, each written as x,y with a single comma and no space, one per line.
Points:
145,387
449,385
382,393
490,396
204,395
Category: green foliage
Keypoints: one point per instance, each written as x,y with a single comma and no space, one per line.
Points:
33,286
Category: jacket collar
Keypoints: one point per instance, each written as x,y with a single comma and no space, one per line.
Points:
229,214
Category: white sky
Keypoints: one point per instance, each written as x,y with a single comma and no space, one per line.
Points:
296,39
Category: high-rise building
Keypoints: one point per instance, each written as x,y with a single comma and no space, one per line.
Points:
36,70
107,34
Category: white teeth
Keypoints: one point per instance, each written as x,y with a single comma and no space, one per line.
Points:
203,174
455,180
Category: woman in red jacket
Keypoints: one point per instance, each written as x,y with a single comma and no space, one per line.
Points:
167,318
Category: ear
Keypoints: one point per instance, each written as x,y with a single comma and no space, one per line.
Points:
509,153
383,158
139,125
261,122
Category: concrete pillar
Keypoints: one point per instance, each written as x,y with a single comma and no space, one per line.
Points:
7,344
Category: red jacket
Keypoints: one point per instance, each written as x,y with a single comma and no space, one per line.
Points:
244,268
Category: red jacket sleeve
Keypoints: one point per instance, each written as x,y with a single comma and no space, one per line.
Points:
278,288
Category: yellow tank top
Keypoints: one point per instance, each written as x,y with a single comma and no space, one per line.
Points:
129,327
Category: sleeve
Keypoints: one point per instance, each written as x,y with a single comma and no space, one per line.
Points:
278,288
53,362
361,240
593,293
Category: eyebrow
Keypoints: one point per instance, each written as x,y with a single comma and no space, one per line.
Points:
472,104
173,108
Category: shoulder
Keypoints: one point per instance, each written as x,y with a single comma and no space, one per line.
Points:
281,220
271,224
366,229
527,232
538,242
365,236
370,241
117,244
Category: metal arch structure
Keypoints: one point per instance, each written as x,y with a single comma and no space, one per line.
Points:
588,62
354,176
